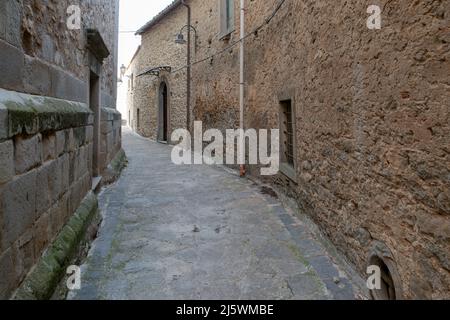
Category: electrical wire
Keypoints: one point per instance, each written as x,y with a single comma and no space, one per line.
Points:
254,31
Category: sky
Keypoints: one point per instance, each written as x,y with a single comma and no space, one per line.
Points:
133,15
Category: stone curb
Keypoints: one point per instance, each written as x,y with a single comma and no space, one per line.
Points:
42,281
115,168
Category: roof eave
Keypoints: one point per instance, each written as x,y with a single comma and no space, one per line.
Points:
158,17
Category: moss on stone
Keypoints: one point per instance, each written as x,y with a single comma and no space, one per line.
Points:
119,162
294,249
80,135
115,168
21,118
44,278
32,114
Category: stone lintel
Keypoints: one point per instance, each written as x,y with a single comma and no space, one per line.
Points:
96,44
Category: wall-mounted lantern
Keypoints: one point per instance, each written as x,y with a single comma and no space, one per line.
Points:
123,69
180,39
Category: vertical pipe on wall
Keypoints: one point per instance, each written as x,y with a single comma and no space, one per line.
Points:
188,75
242,88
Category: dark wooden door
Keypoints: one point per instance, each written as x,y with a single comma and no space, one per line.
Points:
163,114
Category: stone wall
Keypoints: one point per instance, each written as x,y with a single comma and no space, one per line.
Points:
111,133
133,105
40,55
45,172
372,119
50,117
158,48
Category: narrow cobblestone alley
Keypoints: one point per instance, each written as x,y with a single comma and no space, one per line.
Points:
200,232
335,115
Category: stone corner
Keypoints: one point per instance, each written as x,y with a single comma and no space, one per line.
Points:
115,168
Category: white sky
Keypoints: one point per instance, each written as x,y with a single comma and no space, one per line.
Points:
133,15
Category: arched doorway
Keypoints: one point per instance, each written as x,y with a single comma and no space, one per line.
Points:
163,114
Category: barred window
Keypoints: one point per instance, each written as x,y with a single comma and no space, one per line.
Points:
138,119
226,17
287,132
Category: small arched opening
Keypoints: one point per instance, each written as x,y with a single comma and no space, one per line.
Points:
387,290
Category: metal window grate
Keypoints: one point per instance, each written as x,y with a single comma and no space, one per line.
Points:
138,119
288,132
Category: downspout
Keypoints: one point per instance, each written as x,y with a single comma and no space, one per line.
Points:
188,84
242,88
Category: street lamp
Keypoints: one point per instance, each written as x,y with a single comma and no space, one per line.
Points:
180,40
123,69
180,37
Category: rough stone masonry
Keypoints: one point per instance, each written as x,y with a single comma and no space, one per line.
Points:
58,128
371,158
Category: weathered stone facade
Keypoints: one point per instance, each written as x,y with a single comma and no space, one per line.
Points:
52,116
158,49
372,132
49,59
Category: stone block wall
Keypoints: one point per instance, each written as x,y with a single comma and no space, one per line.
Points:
46,121
111,133
40,55
372,117
45,171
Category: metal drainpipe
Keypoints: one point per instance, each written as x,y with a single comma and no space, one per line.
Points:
188,85
242,86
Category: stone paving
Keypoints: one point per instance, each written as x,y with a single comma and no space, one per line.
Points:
200,232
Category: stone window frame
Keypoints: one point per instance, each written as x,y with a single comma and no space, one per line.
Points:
226,23
288,170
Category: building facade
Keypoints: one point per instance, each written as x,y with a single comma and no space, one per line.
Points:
58,124
149,78
363,116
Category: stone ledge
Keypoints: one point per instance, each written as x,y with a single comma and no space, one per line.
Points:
27,114
110,114
42,281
